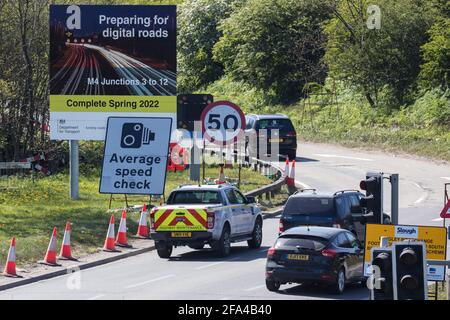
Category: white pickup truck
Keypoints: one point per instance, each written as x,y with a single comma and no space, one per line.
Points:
216,215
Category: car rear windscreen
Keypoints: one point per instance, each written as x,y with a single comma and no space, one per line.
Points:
194,197
313,206
280,124
304,242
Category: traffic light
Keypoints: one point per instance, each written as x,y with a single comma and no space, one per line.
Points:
190,108
410,282
382,285
373,201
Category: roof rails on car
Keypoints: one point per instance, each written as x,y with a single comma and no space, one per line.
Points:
343,191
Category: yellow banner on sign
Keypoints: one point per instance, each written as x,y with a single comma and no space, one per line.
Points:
435,238
78,103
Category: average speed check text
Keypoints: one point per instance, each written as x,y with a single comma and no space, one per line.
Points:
127,172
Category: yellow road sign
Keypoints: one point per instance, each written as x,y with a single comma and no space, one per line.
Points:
435,239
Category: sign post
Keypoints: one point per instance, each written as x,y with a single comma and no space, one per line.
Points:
136,154
74,169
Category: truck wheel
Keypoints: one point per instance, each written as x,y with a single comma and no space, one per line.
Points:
223,245
256,240
164,250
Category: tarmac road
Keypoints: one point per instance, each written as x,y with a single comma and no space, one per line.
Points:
191,274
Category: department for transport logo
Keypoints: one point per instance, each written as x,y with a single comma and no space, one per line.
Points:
406,232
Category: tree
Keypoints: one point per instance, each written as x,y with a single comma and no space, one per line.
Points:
435,71
376,60
197,34
274,45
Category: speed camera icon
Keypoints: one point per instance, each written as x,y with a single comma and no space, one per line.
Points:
134,135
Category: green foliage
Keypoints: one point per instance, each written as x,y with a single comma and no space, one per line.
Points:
376,60
197,34
435,71
274,45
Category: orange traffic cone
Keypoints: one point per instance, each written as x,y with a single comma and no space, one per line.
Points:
121,239
10,267
291,180
286,170
50,256
221,179
143,228
66,252
109,241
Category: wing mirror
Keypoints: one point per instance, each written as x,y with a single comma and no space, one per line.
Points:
251,199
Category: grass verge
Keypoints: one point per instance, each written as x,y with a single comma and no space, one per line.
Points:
30,209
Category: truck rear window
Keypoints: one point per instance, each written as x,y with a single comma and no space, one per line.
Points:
194,197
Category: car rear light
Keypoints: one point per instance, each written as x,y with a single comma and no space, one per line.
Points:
291,134
281,226
210,219
152,218
329,253
271,252
336,225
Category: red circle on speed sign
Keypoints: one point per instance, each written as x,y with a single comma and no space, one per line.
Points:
222,121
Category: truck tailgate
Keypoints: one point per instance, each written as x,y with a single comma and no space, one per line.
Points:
181,219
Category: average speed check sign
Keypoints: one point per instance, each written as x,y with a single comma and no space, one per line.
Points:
222,121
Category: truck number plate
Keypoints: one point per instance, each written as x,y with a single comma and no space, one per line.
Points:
181,234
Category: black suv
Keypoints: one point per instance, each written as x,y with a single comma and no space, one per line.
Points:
341,210
287,136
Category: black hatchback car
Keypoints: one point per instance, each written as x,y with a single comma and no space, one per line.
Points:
315,255
340,210
286,136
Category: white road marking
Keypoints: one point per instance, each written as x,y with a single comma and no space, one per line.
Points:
209,265
97,297
149,281
255,288
215,264
446,178
224,298
342,157
437,220
424,195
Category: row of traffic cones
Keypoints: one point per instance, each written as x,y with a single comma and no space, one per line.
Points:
121,239
66,252
290,175
50,256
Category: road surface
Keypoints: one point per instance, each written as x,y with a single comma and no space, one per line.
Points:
199,275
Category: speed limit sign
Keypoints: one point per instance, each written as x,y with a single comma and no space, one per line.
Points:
222,121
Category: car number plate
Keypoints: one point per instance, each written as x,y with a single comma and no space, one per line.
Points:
276,140
181,234
303,257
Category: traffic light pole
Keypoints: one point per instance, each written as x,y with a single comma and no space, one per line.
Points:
394,198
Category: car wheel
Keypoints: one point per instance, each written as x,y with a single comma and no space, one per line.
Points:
272,285
339,286
256,240
164,250
386,220
223,247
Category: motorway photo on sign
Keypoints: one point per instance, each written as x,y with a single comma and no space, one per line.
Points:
135,158
106,60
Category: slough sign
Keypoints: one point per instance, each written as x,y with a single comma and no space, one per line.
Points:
435,239
135,157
